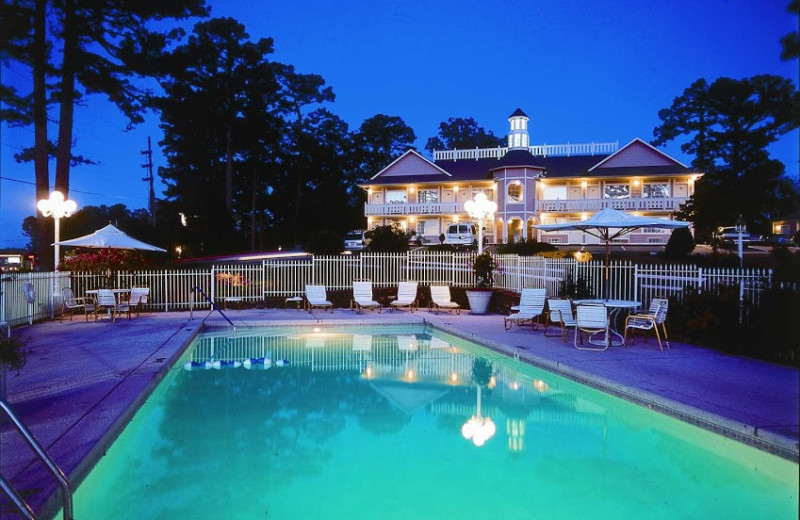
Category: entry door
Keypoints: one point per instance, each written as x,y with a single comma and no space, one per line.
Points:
681,189
593,192
574,193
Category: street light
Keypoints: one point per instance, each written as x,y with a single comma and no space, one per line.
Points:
57,207
741,227
480,208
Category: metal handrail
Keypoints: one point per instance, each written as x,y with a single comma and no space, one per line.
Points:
214,306
43,457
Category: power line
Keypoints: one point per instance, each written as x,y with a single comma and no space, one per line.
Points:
72,190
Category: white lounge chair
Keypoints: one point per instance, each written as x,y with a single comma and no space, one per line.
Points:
655,316
592,318
406,296
70,304
531,307
528,297
559,311
138,299
440,299
362,297
316,297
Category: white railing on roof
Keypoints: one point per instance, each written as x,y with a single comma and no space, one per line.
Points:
539,150
280,279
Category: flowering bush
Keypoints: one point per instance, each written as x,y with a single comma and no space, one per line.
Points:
483,266
235,280
104,260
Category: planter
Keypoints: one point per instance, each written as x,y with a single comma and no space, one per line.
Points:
479,300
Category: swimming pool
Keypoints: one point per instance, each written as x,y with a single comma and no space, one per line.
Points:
385,423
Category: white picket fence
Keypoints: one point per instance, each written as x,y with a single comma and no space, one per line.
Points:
172,289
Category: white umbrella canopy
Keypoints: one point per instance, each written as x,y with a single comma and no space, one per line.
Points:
608,224
109,237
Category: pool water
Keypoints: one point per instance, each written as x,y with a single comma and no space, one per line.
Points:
371,424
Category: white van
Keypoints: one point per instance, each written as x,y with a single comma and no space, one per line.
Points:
462,234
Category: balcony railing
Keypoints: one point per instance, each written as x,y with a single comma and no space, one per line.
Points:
437,208
592,205
539,150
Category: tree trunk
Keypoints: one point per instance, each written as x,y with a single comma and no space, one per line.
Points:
229,168
64,149
40,155
253,208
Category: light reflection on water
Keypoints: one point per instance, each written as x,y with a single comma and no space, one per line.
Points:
371,424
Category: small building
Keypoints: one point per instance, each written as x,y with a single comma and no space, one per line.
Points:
531,184
786,227
14,260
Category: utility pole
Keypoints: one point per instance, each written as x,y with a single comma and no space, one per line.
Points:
151,199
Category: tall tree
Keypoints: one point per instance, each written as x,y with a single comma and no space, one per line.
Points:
380,140
729,126
790,44
460,133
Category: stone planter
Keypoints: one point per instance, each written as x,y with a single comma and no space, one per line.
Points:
479,300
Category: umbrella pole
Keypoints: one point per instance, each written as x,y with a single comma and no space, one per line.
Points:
606,280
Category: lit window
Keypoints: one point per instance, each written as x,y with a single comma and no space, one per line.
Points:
396,196
655,190
428,196
515,192
617,191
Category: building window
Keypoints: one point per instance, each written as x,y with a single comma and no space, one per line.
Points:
421,228
396,197
554,193
617,191
515,192
655,190
428,196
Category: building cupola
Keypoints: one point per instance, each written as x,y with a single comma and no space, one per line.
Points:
518,135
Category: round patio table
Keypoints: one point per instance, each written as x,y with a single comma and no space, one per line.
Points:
614,308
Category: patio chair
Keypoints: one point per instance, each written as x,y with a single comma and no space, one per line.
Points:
528,297
531,308
440,299
362,297
406,296
138,298
592,318
106,300
70,304
655,316
559,311
316,297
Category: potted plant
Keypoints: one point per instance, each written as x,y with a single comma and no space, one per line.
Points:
12,357
479,297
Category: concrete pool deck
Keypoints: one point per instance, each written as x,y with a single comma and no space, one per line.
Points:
83,381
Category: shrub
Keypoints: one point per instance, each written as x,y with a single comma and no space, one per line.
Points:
680,244
574,289
483,266
528,248
388,239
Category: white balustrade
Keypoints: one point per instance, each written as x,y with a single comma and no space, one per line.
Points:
539,150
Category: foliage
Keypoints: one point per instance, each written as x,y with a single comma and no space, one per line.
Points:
105,260
12,354
680,244
483,266
526,248
482,371
573,289
790,43
388,239
786,265
711,318
459,133
441,248
325,242
728,126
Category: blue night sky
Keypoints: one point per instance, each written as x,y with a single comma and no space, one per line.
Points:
583,71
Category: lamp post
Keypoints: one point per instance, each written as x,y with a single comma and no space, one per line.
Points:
480,208
741,227
57,207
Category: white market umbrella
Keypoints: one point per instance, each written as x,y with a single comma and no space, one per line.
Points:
109,237
608,224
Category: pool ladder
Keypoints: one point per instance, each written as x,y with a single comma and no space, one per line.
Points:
214,306
16,500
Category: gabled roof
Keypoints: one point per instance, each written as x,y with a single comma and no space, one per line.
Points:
410,152
638,154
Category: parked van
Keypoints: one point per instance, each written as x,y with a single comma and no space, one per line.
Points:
462,234
356,240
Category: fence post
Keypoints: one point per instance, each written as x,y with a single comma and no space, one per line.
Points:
165,289
636,282
213,285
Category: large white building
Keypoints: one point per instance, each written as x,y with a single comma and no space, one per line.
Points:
532,184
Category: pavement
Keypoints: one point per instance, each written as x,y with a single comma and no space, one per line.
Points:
84,381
